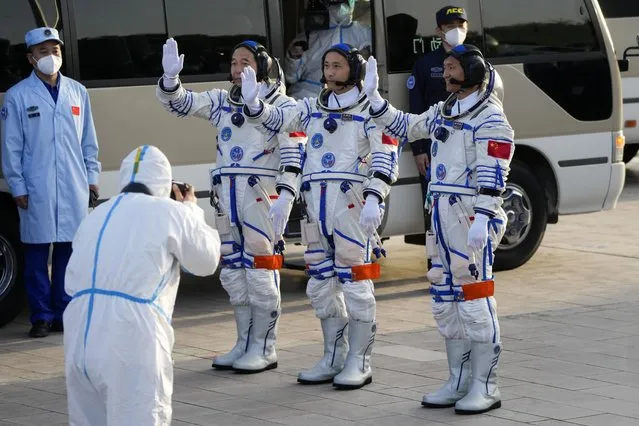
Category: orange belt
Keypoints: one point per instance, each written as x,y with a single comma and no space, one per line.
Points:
268,262
478,290
369,271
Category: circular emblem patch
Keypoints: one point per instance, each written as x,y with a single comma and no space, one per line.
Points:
328,160
441,172
237,153
410,83
374,328
274,314
317,140
433,149
226,134
497,349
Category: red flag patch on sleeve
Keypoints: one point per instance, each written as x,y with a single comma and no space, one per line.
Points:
499,149
297,134
387,140
75,110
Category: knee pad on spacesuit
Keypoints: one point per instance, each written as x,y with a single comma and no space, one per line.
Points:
480,319
436,273
235,283
447,319
360,300
327,298
263,288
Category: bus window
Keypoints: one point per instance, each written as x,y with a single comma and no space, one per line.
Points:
410,29
20,17
207,36
619,9
114,43
575,74
522,28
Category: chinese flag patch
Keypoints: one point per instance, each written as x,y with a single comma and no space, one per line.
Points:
499,149
75,110
387,140
297,135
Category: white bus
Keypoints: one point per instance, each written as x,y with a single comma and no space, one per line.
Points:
563,95
622,18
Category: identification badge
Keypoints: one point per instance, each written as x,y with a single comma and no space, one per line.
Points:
310,232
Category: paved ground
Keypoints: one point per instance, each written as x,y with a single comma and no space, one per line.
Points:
569,326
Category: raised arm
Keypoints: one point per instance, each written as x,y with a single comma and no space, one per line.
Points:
402,125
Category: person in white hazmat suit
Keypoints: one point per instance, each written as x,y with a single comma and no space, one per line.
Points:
248,165
303,62
472,149
348,160
123,278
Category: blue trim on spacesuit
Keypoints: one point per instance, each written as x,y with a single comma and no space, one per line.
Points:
347,238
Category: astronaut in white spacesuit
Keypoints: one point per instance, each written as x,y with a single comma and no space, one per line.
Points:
331,22
248,165
348,160
471,153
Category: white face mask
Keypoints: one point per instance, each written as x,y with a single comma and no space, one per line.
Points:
455,37
49,65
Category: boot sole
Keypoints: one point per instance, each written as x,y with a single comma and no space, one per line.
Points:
314,382
244,371
431,405
467,412
222,367
352,387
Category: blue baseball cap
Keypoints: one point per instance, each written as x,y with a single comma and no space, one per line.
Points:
448,14
40,35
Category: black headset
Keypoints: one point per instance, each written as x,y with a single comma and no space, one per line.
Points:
262,58
356,63
472,62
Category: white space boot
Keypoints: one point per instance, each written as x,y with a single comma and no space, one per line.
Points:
483,394
357,372
335,332
260,354
458,353
243,325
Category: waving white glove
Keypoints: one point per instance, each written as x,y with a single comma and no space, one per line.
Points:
478,232
171,63
371,84
371,216
250,90
280,211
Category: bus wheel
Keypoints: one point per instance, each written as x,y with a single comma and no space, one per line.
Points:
527,211
11,276
629,152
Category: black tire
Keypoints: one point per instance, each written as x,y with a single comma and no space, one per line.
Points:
11,271
629,152
516,250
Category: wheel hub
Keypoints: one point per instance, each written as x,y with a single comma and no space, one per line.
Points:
519,213
8,266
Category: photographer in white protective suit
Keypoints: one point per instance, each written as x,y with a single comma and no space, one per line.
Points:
328,22
472,146
248,165
123,278
349,169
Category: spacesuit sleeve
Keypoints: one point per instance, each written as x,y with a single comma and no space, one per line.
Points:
272,120
292,154
384,169
402,125
185,103
197,246
494,141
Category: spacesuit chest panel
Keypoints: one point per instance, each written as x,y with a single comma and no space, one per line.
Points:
239,143
452,152
336,151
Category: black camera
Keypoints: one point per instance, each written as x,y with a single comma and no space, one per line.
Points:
182,186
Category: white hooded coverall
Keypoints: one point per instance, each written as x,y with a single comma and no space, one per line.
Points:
304,74
123,278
